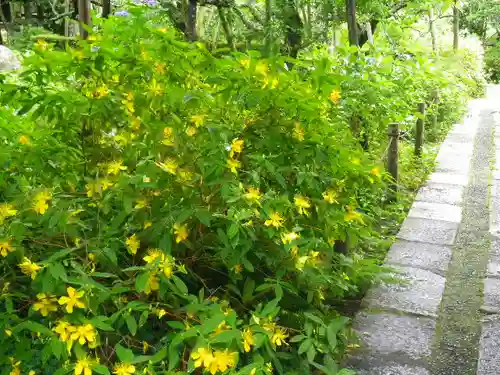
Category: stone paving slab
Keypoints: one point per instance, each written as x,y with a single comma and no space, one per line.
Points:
491,295
394,370
419,293
489,353
441,193
430,231
420,255
495,215
398,335
436,211
449,178
493,269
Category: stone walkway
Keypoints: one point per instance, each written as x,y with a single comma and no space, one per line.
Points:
445,318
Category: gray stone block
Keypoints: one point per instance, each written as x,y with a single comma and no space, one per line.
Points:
394,370
493,269
431,231
441,193
492,295
449,178
419,293
489,349
420,255
398,335
436,211
495,215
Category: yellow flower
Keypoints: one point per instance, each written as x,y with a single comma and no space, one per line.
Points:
148,224
181,232
287,238
356,161
6,248
252,194
170,165
63,329
8,332
198,120
376,172
167,265
272,83
191,131
330,196
101,92
42,45
24,140
115,167
278,337
155,88
302,204
161,313
168,137
238,268
353,215
335,96
129,106
124,369
72,300
254,371
245,62
133,244
275,220
153,254
135,123
298,132
185,175
83,333
236,147
6,210
40,200
33,373
233,165
83,367
29,268
152,284
248,339
45,304
202,357
141,203
160,68
15,370
222,361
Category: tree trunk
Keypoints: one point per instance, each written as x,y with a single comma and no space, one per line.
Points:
432,30
268,28
226,27
293,27
28,10
456,23
191,20
352,25
84,17
106,8
369,32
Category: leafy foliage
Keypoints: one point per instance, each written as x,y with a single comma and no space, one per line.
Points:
162,209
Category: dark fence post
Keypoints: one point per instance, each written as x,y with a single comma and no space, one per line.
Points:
419,134
392,159
435,100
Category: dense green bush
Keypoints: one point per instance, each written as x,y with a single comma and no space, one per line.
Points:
163,210
492,63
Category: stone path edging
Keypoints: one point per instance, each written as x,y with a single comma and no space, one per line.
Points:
414,328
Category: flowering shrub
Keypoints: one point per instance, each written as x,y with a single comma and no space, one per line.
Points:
163,211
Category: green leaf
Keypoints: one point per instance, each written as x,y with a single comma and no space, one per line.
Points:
233,230
58,272
304,347
311,353
124,354
142,281
226,336
100,322
180,285
331,335
143,318
131,324
33,327
211,324
298,338
248,289
314,318
101,369
247,264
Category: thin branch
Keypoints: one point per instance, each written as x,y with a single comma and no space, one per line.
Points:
254,13
241,16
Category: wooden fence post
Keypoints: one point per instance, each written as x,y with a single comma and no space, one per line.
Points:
392,159
419,134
